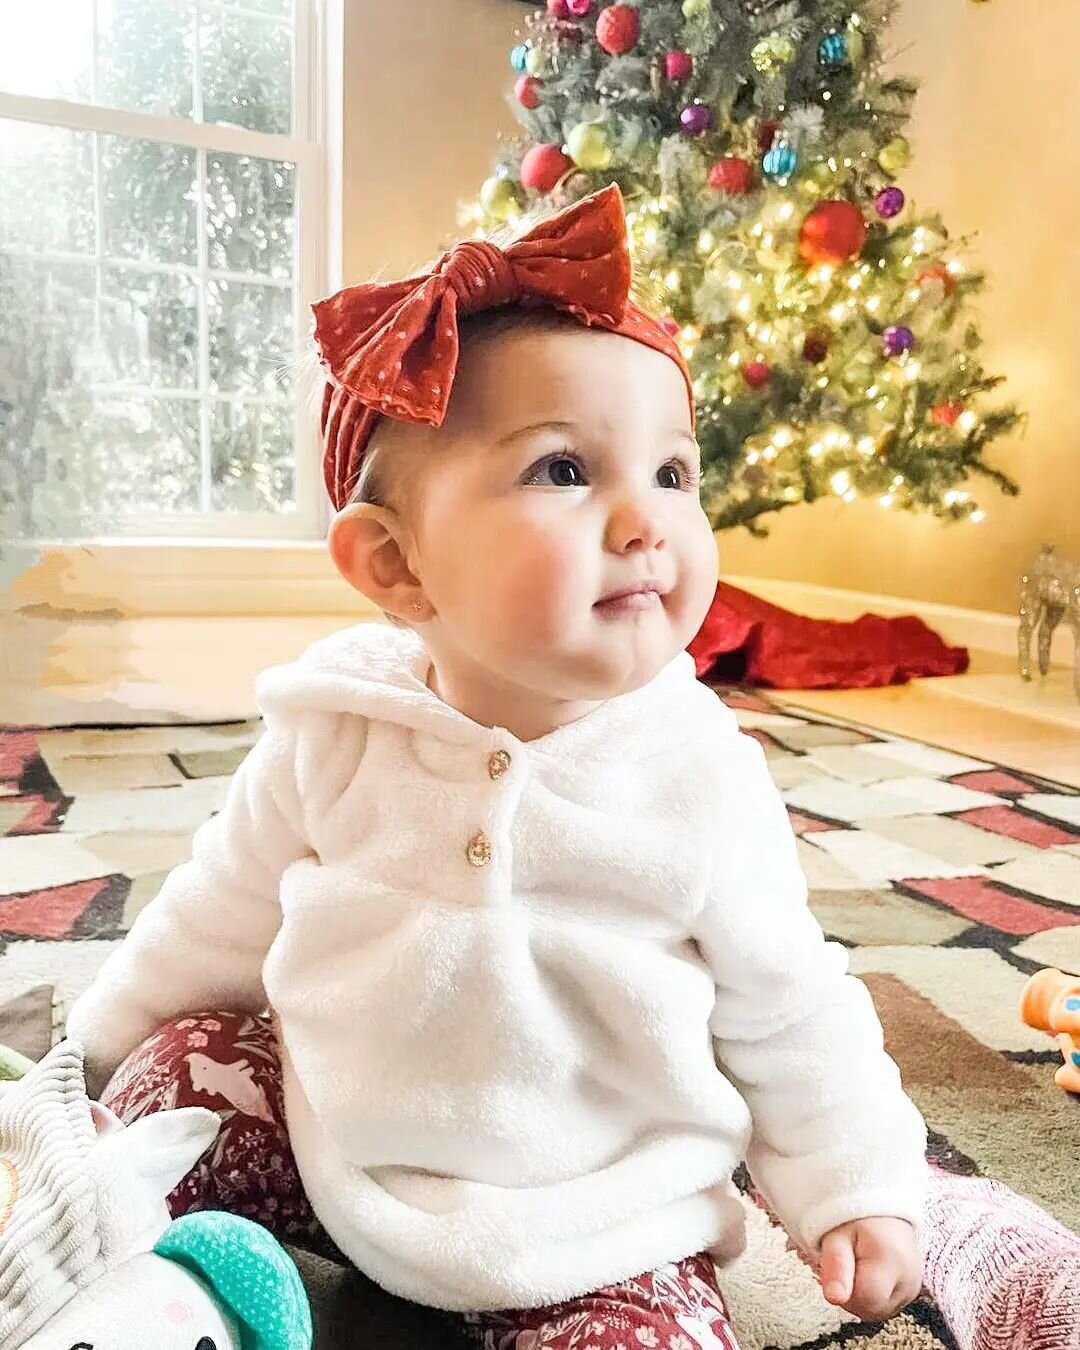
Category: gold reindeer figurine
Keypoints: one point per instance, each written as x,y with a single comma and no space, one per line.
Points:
1049,594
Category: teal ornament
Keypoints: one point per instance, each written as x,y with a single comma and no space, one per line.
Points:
518,56
250,1273
832,51
780,162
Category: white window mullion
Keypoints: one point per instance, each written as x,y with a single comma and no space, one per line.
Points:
205,420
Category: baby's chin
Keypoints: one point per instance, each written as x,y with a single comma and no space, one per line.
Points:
612,670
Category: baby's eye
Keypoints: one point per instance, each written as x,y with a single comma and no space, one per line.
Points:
556,471
676,474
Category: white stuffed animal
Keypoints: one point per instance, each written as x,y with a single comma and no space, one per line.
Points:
89,1258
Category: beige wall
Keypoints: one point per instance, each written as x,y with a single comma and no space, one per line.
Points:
997,151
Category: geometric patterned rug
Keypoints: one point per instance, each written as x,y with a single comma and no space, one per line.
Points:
949,879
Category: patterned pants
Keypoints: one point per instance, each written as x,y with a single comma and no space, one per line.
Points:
229,1062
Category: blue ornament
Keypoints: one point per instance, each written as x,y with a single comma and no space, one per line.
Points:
518,56
780,162
833,51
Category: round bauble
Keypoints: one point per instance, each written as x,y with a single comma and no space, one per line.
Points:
898,340
756,374
889,202
500,198
937,277
696,120
518,56
543,166
832,52
589,145
895,156
527,91
618,28
678,66
780,162
947,414
815,348
732,175
832,233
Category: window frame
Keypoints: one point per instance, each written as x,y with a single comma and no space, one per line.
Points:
314,147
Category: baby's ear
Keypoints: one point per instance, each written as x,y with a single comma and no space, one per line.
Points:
161,1148
368,546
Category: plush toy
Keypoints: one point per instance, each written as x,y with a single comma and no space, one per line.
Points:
89,1258
1051,1002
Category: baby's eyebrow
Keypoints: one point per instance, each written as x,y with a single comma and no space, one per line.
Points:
534,427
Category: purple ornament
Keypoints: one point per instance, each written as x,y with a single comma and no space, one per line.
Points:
898,340
889,202
697,119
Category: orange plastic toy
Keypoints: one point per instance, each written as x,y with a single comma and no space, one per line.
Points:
1051,1002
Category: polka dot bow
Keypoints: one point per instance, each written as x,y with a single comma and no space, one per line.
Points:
391,349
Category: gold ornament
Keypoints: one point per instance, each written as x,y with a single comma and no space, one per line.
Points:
534,61
772,52
589,146
694,9
895,156
499,198
856,42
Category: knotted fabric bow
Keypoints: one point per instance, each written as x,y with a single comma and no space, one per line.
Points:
391,349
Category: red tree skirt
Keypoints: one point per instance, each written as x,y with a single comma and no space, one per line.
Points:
744,640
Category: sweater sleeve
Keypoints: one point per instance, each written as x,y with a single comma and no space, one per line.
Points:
834,1138
201,942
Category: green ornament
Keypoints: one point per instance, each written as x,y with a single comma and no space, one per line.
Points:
856,42
534,61
500,198
694,9
589,146
817,179
895,157
249,1271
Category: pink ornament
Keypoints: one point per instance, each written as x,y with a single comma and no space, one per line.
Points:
579,8
558,9
670,325
697,119
678,66
889,202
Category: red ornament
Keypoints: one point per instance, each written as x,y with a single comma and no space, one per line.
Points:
757,374
767,134
678,66
947,414
832,233
525,87
617,28
558,9
815,348
733,175
543,166
938,273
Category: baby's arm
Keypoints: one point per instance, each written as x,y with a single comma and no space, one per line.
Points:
201,943
834,1139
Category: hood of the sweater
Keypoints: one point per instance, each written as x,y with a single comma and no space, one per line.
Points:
380,672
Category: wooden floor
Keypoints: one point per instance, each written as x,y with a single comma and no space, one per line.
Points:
988,713
203,669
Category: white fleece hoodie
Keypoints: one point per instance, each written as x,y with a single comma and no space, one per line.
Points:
505,974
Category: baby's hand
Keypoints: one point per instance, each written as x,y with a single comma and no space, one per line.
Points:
871,1267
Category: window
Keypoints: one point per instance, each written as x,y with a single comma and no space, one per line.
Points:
162,234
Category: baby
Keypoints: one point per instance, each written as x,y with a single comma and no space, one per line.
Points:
523,903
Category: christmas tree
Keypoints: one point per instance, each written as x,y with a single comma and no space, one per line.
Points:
759,147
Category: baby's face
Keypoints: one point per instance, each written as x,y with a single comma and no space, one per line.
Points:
559,535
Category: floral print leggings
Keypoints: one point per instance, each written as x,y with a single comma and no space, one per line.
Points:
229,1062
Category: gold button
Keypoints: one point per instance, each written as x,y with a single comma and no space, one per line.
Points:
479,850
498,764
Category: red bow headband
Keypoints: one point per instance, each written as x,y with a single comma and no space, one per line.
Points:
391,350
